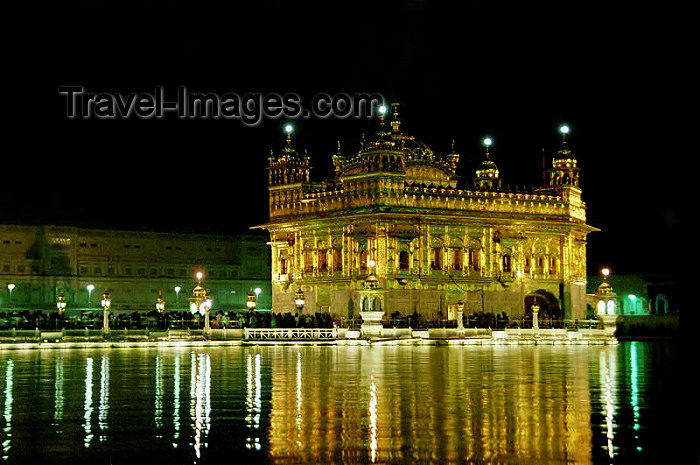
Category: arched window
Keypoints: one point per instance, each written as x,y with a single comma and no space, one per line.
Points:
403,260
283,266
436,263
456,258
308,261
323,260
337,260
506,263
363,260
475,259
661,304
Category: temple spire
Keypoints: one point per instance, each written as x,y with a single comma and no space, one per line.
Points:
288,128
395,122
487,175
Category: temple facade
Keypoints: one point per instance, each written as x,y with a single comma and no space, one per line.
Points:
395,215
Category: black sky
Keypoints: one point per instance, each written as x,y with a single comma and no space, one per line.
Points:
513,70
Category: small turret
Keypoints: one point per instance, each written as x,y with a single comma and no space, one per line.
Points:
452,158
563,179
487,175
290,166
565,170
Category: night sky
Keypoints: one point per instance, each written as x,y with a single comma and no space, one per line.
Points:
512,70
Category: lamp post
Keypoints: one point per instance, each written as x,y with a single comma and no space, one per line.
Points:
201,302
106,304
299,301
206,307
160,305
460,309
61,307
10,288
177,295
535,317
257,291
90,288
251,301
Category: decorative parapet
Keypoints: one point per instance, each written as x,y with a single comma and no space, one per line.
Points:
437,198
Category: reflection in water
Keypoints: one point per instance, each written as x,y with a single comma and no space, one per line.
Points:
7,410
299,420
58,397
176,400
634,390
373,419
200,400
158,398
431,405
87,425
104,397
608,359
253,401
525,405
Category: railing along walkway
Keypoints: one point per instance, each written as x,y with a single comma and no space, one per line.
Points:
289,333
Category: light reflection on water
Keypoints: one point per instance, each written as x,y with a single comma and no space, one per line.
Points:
306,404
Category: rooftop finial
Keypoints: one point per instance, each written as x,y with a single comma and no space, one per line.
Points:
288,128
395,122
564,131
382,113
487,143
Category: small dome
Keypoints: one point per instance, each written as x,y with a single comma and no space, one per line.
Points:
487,165
605,288
413,148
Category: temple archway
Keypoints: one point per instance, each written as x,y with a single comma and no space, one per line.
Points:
548,303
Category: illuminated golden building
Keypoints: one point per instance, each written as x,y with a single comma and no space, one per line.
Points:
397,210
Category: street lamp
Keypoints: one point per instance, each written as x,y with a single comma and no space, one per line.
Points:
60,306
251,301
10,288
90,288
160,304
460,309
206,306
201,302
299,300
106,304
535,316
177,295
